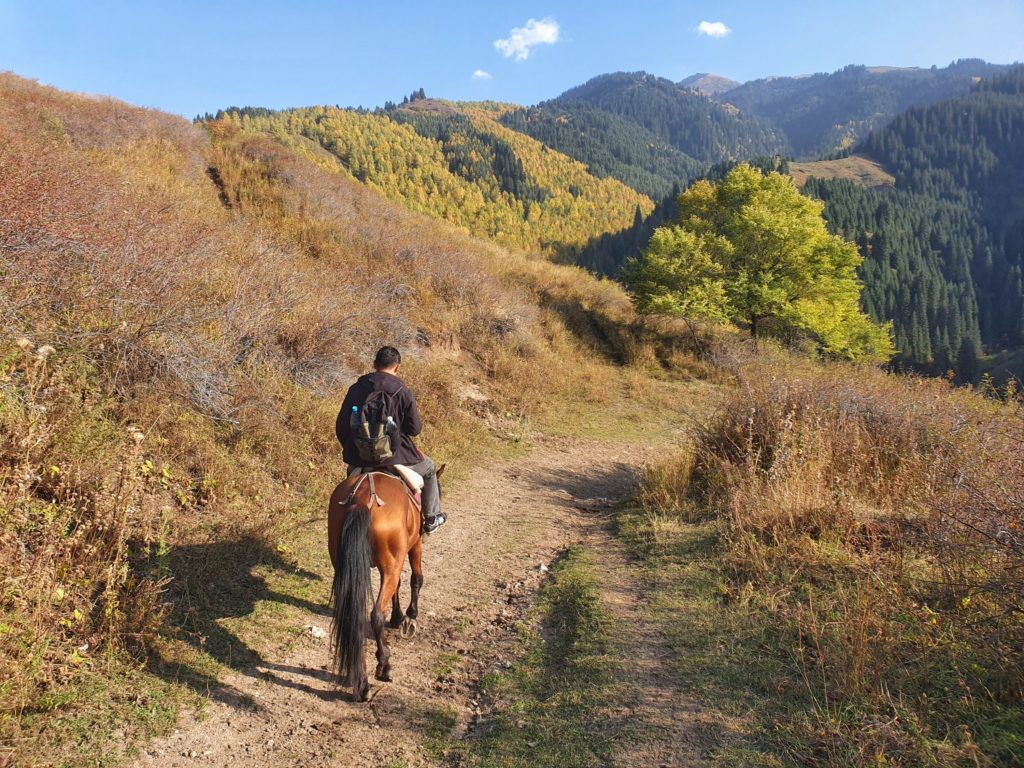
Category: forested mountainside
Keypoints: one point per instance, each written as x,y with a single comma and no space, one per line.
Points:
460,164
823,113
607,254
944,251
653,134
692,123
917,269
609,144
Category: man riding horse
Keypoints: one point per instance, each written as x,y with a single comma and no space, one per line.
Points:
373,521
405,424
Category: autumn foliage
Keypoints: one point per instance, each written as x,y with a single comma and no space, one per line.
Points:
450,172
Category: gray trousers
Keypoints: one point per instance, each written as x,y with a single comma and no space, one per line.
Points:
431,492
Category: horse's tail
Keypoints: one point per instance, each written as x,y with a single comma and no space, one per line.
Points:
350,594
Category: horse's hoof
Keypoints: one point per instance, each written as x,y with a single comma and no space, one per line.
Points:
408,627
363,692
384,675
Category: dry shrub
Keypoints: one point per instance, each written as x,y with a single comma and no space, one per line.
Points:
878,520
75,510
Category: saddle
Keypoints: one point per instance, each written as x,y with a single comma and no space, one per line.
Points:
412,481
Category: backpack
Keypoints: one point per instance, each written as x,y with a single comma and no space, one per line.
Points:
374,427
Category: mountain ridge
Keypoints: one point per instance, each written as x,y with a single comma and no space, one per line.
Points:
650,133
826,112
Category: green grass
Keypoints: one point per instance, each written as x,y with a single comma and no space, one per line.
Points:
446,664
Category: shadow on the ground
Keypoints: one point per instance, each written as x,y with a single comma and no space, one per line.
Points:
328,691
218,580
613,482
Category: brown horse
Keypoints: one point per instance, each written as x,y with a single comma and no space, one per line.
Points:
372,522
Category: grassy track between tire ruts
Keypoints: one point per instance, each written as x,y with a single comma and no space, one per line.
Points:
546,707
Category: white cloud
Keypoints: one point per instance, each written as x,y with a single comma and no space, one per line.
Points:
522,40
479,74
713,29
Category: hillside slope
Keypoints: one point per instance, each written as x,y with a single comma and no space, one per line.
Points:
645,131
694,124
609,144
182,309
458,164
654,135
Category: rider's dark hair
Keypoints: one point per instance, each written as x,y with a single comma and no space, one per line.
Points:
387,357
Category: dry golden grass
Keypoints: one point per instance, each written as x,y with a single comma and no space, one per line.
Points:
859,170
876,521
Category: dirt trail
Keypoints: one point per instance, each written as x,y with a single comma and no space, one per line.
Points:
482,572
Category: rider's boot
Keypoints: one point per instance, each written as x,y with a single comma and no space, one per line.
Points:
431,524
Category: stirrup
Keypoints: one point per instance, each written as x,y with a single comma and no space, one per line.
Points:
431,524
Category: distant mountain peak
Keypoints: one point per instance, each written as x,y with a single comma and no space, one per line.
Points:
708,84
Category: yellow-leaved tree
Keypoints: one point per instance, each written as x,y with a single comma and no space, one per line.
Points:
753,251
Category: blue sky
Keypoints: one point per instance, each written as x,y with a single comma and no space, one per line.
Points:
198,55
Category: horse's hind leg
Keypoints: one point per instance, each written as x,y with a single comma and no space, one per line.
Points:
396,608
388,588
416,562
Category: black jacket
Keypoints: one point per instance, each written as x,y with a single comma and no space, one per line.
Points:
408,417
